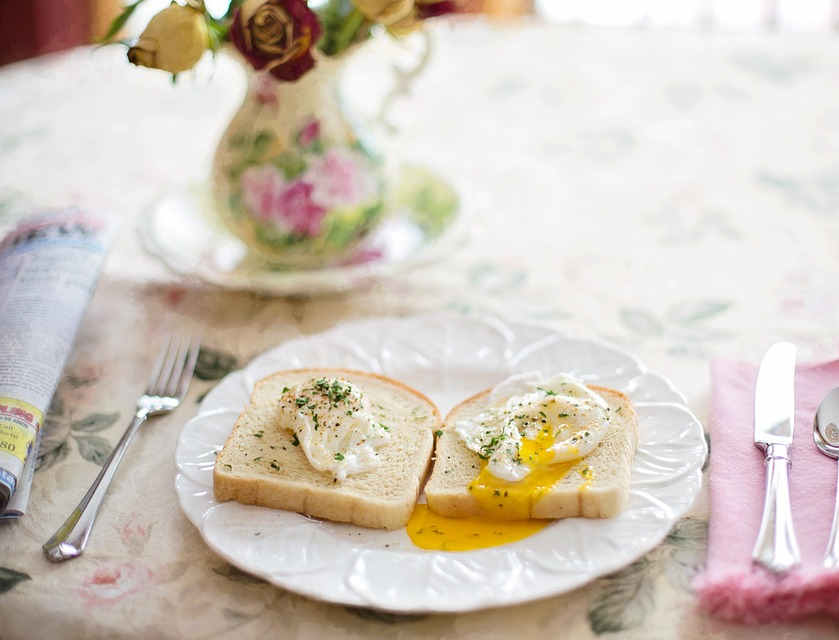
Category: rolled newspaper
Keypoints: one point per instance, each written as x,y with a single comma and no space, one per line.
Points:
49,265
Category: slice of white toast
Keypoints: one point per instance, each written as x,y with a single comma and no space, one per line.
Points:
595,487
261,465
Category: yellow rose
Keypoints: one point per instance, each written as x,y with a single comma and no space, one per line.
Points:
405,26
386,12
174,40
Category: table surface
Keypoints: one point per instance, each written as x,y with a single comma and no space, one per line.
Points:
673,192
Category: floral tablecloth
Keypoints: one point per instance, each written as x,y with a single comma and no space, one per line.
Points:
676,193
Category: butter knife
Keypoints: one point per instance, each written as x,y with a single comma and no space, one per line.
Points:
776,547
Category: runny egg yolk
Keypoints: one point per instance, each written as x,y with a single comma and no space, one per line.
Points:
429,530
504,500
507,505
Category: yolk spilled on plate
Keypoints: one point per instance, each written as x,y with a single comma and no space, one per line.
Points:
429,530
506,505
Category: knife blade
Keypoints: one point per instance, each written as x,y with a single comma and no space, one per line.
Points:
774,396
776,547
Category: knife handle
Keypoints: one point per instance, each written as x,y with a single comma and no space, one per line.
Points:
776,547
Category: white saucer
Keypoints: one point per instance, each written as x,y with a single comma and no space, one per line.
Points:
180,230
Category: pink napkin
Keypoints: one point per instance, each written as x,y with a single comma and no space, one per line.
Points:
731,587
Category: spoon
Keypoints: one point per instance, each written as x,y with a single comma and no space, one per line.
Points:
826,437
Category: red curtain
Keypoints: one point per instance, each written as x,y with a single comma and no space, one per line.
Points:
33,27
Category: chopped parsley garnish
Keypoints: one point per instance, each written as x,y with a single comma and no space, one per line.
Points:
618,410
336,391
547,392
285,390
302,401
257,459
564,415
259,434
542,413
488,449
339,456
384,426
294,440
438,433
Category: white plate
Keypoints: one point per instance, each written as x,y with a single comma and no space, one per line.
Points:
448,358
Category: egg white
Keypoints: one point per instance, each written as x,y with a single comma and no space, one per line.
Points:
528,406
343,439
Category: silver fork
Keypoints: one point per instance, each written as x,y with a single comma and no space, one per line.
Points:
167,387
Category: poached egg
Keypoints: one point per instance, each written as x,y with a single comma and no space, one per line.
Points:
330,419
535,431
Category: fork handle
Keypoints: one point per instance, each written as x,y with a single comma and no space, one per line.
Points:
71,538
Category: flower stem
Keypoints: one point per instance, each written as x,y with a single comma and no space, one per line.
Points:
346,34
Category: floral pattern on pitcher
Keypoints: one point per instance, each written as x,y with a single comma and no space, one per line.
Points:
313,196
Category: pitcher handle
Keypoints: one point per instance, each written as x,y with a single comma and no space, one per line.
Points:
404,79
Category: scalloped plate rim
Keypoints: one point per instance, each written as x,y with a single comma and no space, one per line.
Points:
693,480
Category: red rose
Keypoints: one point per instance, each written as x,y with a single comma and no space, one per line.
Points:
277,36
433,8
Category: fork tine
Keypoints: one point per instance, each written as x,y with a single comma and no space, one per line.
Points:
158,366
159,388
192,358
177,366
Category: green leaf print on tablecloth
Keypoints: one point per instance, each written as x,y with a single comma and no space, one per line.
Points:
641,322
236,575
93,448
625,598
495,278
9,578
685,324
59,427
50,454
95,422
214,364
818,194
692,313
689,539
775,68
384,616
